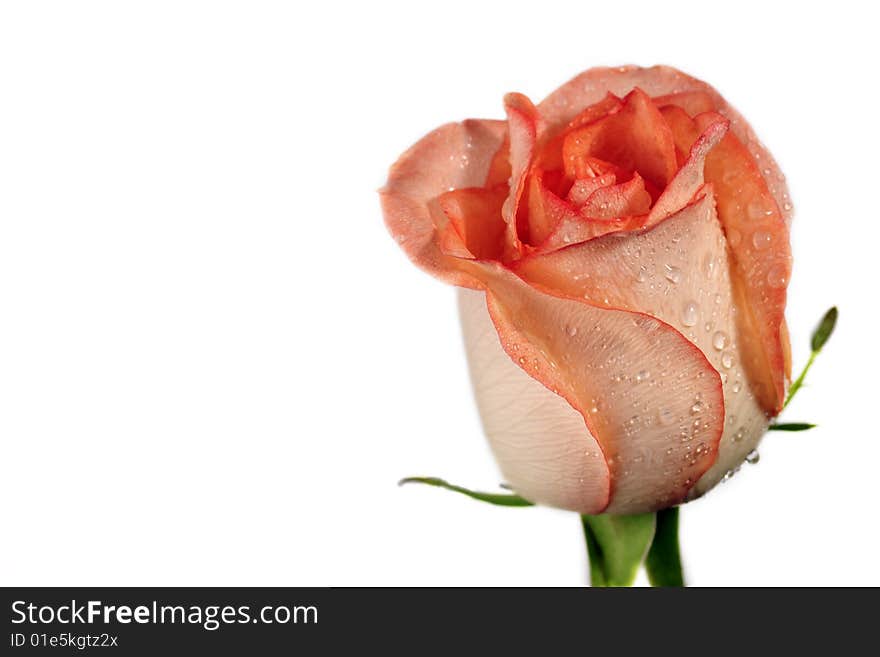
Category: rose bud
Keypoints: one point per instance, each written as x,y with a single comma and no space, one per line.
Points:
623,253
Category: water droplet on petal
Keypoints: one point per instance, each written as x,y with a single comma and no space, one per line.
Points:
673,274
665,416
719,340
753,457
709,266
727,359
572,331
644,375
761,240
697,407
777,276
736,387
689,314
757,210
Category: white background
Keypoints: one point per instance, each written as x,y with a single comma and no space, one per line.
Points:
215,363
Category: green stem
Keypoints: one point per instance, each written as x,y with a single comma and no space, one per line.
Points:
616,546
664,558
798,382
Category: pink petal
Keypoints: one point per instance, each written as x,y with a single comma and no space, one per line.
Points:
522,120
452,156
758,238
582,188
593,357
690,178
540,442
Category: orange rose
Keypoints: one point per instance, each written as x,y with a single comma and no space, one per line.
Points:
624,251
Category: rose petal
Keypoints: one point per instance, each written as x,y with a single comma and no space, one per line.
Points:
522,120
622,200
636,138
684,130
475,214
690,178
758,237
595,358
608,105
546,210
575,229
582,188
455,155
540,442
692,102
678,271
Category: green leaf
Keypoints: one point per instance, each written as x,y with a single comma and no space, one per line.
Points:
791,426
501,499
820,337
663,562
616,546
824,330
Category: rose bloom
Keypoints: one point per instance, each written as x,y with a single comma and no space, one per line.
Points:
622,250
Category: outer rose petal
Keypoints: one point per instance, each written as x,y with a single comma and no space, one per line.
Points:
592,85
678,271
758,237
540,442
595,358
452,156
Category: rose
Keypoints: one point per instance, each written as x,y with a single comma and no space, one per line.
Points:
623,248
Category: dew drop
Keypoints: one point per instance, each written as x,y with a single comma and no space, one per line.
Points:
736,387
729,474
761,240
786,207
709,266
777,276
697,407
753,457
727,359
572,331
643,375
665,417
758,210
673,274
739,436
719,340
689,314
